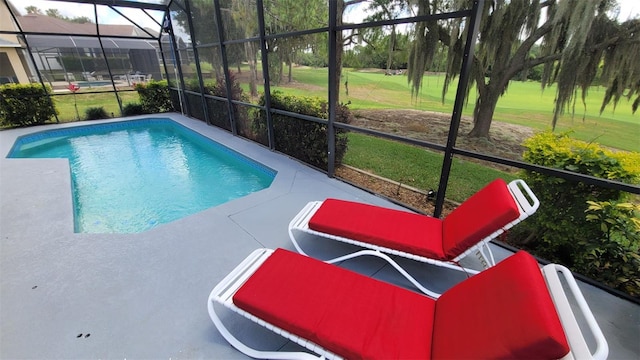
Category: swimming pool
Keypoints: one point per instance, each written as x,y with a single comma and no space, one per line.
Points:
131,176
93,83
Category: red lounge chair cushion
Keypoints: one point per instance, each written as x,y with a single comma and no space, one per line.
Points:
479,216
400,230
504,312
346,313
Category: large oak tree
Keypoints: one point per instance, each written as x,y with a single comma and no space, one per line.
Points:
581,41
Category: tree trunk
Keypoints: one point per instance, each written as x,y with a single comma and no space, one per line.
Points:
253,78
485,107
392,45
290,77
339,50
488,95
216,66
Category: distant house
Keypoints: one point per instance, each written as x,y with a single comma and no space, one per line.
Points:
74,57
13,65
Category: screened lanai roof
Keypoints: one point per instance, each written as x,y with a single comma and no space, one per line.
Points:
112,18
145,4
39,23
63,41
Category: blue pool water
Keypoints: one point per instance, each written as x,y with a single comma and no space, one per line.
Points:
129,177
93,83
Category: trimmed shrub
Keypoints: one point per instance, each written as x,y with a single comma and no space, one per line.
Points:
132,109
561,231
613,257
194,103
174,97
305,140
218,110
96,113
194,85
155,97
25,105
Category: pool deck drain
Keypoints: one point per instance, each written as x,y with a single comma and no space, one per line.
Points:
68,295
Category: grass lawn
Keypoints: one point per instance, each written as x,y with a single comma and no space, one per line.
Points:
417,167
524,103
66,108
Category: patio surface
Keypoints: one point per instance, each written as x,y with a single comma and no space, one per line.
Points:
143,296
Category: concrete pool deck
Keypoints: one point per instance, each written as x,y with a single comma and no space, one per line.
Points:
143,296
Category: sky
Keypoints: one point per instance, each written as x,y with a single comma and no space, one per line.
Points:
628,9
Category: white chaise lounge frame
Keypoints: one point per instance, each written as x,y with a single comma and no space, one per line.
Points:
525,199
222,294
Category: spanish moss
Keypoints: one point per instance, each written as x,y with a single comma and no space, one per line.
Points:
581,45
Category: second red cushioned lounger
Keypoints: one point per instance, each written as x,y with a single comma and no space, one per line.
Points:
469,228
506,311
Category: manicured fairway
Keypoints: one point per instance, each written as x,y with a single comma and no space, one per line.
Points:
524,103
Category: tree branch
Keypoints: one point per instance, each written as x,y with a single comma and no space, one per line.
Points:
348,40
443,35
547,3
523,50
352,2
553,57
541,60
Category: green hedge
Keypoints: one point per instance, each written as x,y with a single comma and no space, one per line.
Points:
305,140
155,97
25,105
131,109
96,113
612,257
588,228
218,109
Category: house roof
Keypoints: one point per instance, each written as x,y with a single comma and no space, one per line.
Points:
46,24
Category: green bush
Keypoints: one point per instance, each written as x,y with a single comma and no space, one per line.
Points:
96,113
131,109
613,257
25,105
155,97
311,59
175,99
194,85
302,139
218,110
560,231
194,105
